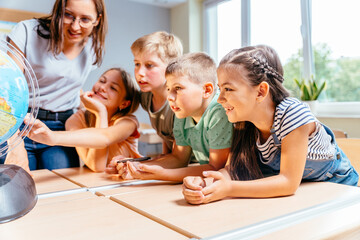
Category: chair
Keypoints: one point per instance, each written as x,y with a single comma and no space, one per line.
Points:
339,133
351,147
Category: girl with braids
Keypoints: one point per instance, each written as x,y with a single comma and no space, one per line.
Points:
62,48
277,141
105,128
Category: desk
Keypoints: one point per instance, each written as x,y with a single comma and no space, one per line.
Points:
340,224
84,216
317,209
166,203
48,182
84,177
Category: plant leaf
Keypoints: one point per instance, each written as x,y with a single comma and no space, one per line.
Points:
306,93
322,87
309,90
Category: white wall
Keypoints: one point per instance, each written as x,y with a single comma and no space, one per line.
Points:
180,24
186,23
127,22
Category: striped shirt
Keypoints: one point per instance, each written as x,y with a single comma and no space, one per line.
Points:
289,115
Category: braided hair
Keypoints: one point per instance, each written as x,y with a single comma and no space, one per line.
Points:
261,64
267,69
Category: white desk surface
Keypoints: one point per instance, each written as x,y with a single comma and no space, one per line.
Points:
84,216
166,202
340,224
47,182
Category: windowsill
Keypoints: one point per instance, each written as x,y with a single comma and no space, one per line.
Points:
338,110
329,115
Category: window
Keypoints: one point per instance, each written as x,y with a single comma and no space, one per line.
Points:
280,29
328,37
229,38
225,31
335,41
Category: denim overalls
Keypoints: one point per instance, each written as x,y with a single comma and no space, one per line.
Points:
337,169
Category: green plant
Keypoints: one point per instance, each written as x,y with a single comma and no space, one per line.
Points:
309,89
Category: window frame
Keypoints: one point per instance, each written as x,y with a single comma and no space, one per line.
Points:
325,109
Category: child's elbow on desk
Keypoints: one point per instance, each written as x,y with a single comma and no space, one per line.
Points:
288,187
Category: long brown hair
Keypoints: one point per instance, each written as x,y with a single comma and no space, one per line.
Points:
132,94
51,27
262,64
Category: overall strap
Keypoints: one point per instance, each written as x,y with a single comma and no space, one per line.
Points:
276,140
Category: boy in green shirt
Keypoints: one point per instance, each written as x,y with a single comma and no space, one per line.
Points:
201,124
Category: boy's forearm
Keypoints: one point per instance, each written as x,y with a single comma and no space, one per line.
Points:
168,161
178,174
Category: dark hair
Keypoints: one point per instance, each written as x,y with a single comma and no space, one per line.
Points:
51,27
261,64
132,94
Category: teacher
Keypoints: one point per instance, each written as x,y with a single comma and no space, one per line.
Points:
62,48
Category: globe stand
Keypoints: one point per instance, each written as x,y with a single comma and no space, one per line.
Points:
19,94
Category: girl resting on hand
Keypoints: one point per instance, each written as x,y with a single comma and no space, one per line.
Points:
106,128
274,134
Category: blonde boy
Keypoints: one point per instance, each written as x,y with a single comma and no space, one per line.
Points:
152,53
200,126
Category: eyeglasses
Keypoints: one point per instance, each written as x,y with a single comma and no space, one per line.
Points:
84,22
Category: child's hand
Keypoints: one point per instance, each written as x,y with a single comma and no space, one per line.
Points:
192,187
123,171
111,167
40,132
194,183
217,187
91,104
118,168
143,171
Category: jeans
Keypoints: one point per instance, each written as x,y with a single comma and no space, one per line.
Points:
338,169
42,156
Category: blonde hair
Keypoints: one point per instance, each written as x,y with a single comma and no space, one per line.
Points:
132,94
166,45
199,67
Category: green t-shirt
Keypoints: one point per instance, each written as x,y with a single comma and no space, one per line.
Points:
213,131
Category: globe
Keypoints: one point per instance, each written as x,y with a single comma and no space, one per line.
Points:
14,97
18,92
